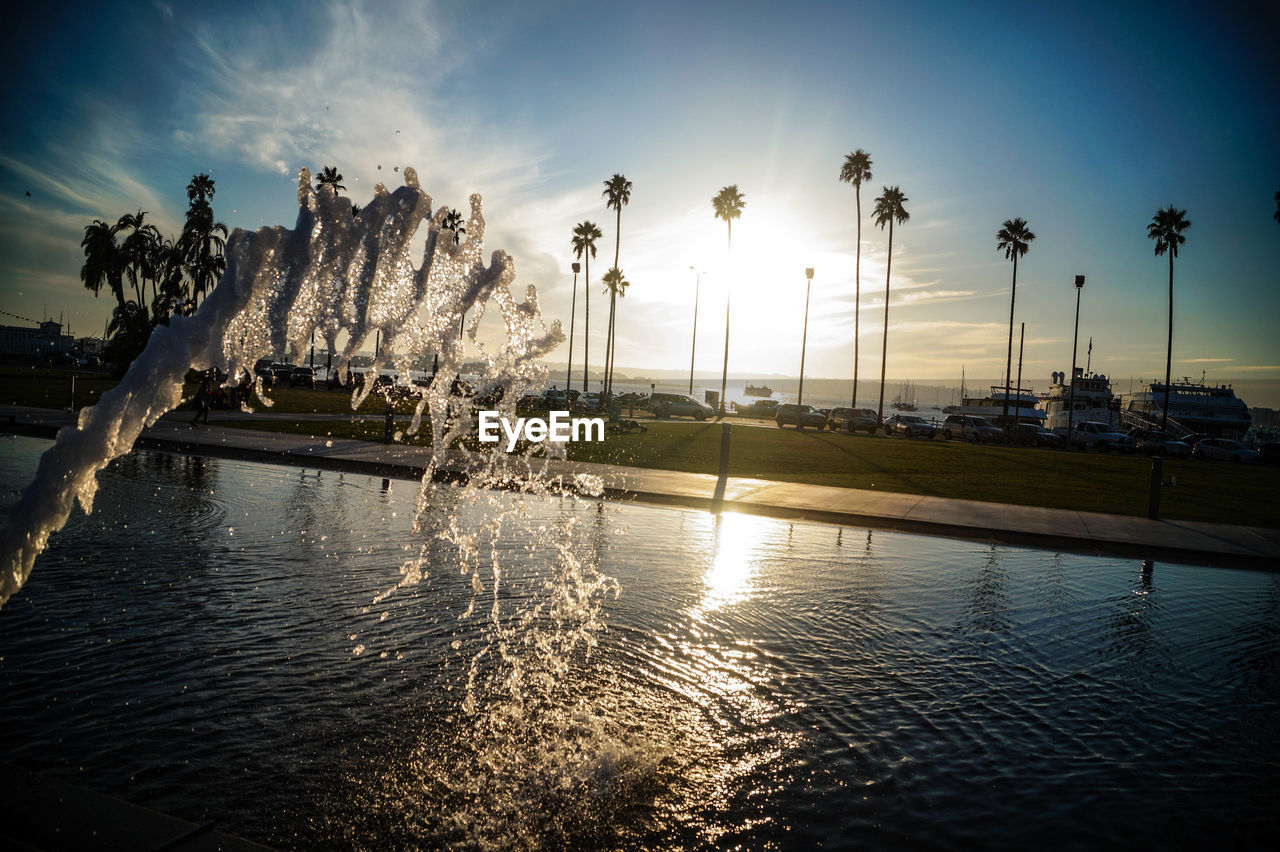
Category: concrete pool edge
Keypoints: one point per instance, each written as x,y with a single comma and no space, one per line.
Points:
1067,529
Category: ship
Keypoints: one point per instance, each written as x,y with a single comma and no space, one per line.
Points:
906,400
1194,407
1093,400
758,390
1022,407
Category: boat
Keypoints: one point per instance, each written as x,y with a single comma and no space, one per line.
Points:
1022,407
758,390
1194,407
1094,401
906,398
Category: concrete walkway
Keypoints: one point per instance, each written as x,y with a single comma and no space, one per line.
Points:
1086,532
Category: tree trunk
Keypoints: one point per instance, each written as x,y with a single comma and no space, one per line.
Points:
857,294
724,374
573,315
884,346
1168,358
586,326
1008,360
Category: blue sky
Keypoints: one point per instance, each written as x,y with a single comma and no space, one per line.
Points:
1081,118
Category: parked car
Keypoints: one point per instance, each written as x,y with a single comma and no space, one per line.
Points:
1101,437
910,425
263,370
799,416
302,377
1035,435
555,399
1161,444
853,420
590,402
969,428
762,408
679,405
1225,449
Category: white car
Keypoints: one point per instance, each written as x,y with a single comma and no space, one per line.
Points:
1225,449
1101,437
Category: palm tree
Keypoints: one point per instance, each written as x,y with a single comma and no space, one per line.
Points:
203,240
1166,229
452,221
889,209
200,188
727,204
137,250
103,261
330,177
856,169
584,245
1013,239
617,191
614,285
1276,215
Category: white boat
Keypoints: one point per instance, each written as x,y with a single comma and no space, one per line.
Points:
1094,401
1022,407
1193,407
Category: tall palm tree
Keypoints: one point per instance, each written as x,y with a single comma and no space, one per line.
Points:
617,192
103,261
1166,229
584,246
203,241
1013,238
616,286
889,209
856,169
727,204
331,177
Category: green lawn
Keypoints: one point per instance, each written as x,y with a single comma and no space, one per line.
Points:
1209,491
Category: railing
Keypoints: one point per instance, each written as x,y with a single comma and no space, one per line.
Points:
1142,420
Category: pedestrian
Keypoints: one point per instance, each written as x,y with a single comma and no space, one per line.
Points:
202,399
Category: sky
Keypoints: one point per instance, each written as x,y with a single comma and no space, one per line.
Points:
1082,118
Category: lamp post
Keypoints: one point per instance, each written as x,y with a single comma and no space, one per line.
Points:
1071,396
697,287
804,340
573,315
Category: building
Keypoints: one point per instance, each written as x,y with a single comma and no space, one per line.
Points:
44,341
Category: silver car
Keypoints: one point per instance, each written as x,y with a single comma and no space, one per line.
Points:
679,405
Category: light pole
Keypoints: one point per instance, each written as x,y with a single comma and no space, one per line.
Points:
573,315
804,340
1071,396
697,288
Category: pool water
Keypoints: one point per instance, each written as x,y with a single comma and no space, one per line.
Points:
253,645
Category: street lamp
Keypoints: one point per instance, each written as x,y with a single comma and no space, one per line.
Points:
573,315
1071,396
804,341
697,287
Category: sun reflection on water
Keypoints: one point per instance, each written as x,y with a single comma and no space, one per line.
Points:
738,550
